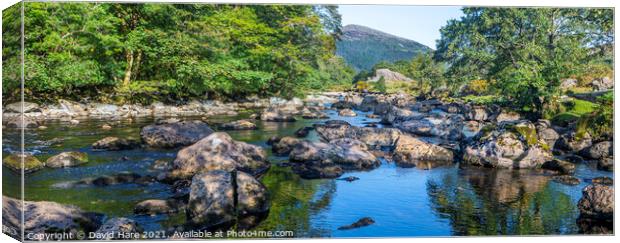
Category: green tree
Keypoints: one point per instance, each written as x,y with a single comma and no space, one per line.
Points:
527,50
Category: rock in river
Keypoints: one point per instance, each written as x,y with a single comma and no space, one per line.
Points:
14,162
365,221
597,202
219,151
599,150
410,151
67,159
41,217
347,112
212,201
118,229
157,206
567,179
114,144
238,125
17,107
284,145
175,134
561,166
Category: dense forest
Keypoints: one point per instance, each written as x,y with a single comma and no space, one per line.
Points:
170,52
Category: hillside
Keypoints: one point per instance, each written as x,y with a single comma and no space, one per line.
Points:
363,47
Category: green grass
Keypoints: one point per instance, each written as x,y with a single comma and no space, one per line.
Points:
574,110
580,90
481,99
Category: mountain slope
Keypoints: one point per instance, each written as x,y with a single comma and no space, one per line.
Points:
363,47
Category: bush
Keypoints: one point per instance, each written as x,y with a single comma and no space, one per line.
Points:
477,87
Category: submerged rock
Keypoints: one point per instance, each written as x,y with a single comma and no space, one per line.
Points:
567,179
172,135
349,178
317,171
410,151
219,151
239,125
359,223
14,163
67,159
44,217
114,144
347,112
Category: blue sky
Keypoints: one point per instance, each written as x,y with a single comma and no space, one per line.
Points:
419,23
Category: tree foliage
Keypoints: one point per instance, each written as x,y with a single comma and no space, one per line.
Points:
526,50
138,52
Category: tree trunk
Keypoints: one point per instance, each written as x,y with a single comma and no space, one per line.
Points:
129,58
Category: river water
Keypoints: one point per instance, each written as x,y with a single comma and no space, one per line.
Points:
442,201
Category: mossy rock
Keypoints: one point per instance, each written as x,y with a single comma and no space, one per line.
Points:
13,162
528,133
67,159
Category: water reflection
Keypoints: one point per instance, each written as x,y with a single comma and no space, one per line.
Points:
501,202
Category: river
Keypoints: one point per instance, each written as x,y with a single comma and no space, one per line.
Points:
442,201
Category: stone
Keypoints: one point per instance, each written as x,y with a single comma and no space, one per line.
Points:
567,180
106,127
67,159
597,202
17,107
174,135
303,132
347,112
507,116
284,145
14,163
572,142
278,114
115,144
602,84
118,229
606,164
21,122
44,217
219,151
239,125
603,180
409,151
599,150
350,154
561,166
157,206
359,223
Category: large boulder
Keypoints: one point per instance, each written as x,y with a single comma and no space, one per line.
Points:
477,113
218,198
350,154
67,159
602,84
597,202
219,151
21,122
599,150
389,75
561,166
115,144
446,126
410,151
118,229
17,107
44,217
508,146
395,114
371,136
174,135
574,142
14,163
606,164
305,151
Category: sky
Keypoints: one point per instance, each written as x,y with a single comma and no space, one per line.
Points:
418,23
